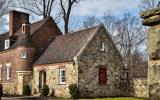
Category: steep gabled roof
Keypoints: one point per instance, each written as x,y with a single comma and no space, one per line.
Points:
34,27
66,47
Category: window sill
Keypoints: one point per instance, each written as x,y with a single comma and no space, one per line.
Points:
102,51
23,57
62,84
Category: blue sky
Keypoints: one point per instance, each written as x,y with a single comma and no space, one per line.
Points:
98,7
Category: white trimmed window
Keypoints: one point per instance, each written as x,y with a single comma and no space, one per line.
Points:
7,44
23,54
23,28
102,46
62,76
8,71
0,72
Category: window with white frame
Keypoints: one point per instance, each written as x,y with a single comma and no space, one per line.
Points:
7,44
0,72
62,76
23,54
8,66
102,46
23,28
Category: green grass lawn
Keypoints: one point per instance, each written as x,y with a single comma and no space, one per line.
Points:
120,98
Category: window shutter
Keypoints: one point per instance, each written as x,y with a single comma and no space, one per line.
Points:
102,76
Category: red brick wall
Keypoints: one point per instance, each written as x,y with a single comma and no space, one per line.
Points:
5,58
16,20
13,57
46,32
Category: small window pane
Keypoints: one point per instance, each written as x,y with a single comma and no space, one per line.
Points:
8,71
23,54
62,76
7,44
102,46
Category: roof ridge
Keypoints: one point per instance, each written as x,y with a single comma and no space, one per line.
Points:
84,29
40,20
66,47
4,33
79,31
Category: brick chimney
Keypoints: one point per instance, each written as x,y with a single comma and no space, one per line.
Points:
16,20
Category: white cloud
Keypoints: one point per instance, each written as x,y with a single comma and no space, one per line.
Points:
99,7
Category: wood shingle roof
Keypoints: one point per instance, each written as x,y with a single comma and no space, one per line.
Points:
66,47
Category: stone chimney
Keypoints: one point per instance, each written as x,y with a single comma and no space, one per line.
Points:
16,20
151,18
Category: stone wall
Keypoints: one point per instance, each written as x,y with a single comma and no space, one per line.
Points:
140,86
9,88
52,78
154,79
90,60
152,18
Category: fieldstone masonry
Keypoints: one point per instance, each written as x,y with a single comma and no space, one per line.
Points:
89,63
140,87
52,79
152,18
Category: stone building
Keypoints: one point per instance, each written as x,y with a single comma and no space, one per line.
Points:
87,58
37,54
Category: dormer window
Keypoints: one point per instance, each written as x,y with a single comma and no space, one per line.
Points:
26,29
7,44
23,28
23,54
102,46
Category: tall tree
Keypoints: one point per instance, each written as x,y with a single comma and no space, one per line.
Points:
4,8
149,4
130,39
91,21
66,6
38,7
109,20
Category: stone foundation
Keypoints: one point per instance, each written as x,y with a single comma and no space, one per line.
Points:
9,88
140,87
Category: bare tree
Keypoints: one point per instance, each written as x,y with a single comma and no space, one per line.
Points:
130,39
4,8
149,4
66,6
110,21
38,7
91,21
